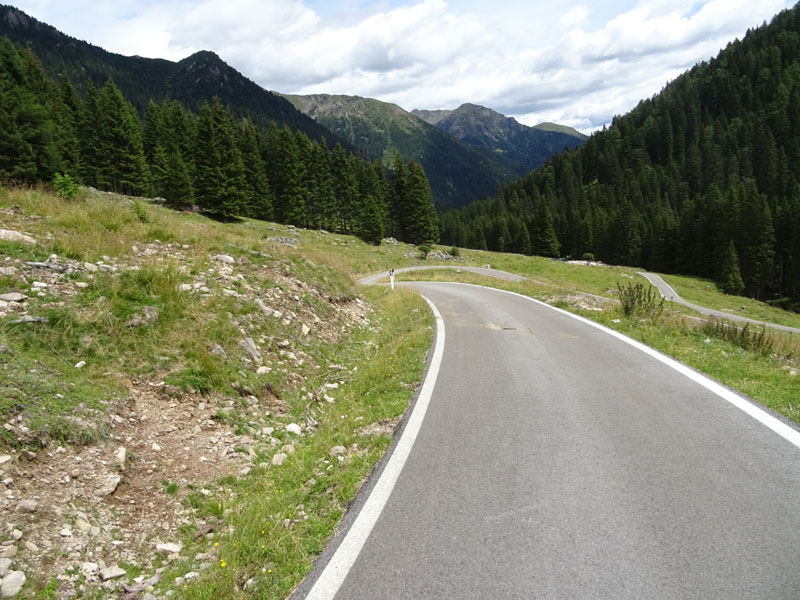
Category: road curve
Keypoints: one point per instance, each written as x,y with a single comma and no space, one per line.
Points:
505,275
557,461
670,294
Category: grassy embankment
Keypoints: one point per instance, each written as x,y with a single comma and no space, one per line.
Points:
272,522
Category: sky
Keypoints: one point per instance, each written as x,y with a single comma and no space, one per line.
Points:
569,62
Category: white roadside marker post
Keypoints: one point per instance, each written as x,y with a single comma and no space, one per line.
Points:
391,278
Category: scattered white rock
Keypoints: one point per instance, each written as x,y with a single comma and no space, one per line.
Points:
338,450
65,531
279,459
80,364
288,449
224,258
5,458
13,297
109,486
28,505
250,347
155,447
39,285
294,428
111,573
16,535
90,570
83,525
8,551
306,329
81,284
8,271
169,548
12,583
5,565
263,370
120,456
92,268
9,235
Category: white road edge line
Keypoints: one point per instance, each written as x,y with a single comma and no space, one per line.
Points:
336,570
782,429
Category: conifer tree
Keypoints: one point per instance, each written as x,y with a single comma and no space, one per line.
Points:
259,201
26,145
90,137
123,167
420,222
543,236
730,278
397,195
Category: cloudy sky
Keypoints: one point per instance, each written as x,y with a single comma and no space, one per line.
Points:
571,62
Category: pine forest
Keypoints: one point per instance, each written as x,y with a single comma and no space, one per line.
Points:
227,167
702,179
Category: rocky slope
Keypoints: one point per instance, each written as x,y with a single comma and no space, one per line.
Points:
99,495
483,127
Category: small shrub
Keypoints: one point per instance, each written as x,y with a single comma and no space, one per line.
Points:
141,212
639,301
742,336
588,256
455,252
64,186
423,251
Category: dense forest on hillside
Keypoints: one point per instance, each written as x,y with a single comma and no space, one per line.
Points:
458,172
702,179
191,81
226,166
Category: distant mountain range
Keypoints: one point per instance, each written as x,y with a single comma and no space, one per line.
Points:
467,153
482,127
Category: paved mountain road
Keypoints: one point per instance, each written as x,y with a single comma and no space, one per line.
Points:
670,294
558,461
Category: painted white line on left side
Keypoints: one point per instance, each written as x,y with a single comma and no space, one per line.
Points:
336,570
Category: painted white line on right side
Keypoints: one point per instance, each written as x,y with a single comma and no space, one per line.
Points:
782,429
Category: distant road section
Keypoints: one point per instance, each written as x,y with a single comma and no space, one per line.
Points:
671,295
372,279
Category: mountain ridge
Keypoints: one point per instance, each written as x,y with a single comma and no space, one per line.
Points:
458,173
483,127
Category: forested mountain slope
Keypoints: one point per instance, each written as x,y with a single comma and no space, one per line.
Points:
191,81
701,179
225,166
458,172
482,127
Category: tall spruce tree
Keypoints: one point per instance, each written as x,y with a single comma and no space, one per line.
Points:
420,222
123,167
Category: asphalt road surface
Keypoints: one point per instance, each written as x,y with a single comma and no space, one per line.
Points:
372,279
670,294
557,461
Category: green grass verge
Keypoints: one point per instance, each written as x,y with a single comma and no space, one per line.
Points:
276,520
704,292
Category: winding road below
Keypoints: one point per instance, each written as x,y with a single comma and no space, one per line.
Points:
670,294
548,457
